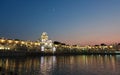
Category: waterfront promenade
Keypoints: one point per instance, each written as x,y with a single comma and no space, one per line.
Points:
44,46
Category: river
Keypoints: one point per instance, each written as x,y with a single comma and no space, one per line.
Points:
61,65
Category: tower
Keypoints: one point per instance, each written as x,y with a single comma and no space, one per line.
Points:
44,37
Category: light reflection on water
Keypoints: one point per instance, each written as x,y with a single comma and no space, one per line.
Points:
61,65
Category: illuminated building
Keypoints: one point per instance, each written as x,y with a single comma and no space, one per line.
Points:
11,44
46,44
44,37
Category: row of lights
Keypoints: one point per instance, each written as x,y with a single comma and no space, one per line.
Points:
17,42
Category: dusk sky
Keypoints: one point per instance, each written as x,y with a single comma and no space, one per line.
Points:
71,21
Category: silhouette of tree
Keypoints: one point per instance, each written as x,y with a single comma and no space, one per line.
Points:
118,43
102,44
17,39
96,45
57,42
63,44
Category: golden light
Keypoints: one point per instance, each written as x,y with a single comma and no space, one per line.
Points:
16,42
36,43
1,47
2,40
96,47
50,44
10,41
106,46
31,43
89,47
8,48
22,42
111,46
100,47
56,45
46,43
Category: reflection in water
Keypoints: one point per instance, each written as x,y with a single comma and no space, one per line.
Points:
61,65
47,65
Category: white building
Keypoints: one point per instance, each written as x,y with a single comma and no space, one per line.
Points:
46,44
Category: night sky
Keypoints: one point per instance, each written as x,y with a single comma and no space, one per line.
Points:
70,21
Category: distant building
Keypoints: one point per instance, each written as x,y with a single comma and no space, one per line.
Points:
44,37
46,44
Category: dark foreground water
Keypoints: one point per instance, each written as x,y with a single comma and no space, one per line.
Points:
61,65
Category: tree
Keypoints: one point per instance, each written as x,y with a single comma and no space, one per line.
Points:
97,45
102,44
57,42
63,44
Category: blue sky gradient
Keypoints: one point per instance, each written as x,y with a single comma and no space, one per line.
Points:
70,21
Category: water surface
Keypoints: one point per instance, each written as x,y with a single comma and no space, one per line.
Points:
61,65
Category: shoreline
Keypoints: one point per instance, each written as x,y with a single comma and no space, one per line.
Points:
37,54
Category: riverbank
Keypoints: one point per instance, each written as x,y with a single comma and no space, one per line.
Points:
38,53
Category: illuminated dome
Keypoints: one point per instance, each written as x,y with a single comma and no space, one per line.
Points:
44,37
